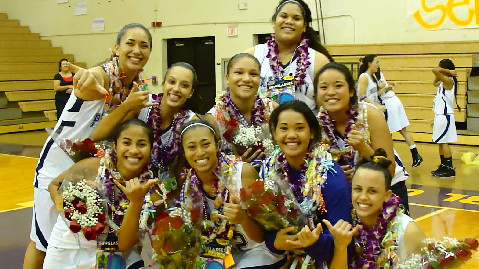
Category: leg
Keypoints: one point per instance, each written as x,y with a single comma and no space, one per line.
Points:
416,158
33,257
446,168
407,136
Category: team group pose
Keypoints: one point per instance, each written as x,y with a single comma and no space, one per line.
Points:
292,135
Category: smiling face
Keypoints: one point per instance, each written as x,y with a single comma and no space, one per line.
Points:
200,149
177,87
368,194
243,78
134,50
65,67
293,135
333,92
133,151
289,24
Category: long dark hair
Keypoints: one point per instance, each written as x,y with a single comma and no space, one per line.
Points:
302,108
365,61
192,102
448,64
133,122
314,41
353,100
377,162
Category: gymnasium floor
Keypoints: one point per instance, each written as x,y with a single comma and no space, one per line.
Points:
442,207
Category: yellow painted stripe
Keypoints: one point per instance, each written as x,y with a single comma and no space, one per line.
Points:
431,214
18,156
26,204
445,207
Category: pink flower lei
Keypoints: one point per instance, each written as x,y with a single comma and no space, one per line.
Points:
228,109
345,156
372,250
164,154
301,52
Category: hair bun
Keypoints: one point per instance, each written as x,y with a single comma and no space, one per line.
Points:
380,157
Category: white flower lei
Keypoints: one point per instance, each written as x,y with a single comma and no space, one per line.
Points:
84,192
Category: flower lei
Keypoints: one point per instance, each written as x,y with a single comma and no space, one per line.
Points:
302,54
164,154
117,200
117,89
212,227
83,208
229,114
376,248
343,156
314,173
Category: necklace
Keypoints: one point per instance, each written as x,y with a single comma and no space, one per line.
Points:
301,53
164,152
376,248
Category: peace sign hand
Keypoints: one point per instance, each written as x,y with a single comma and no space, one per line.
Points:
135,190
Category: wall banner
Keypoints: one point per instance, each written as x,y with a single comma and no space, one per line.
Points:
442,14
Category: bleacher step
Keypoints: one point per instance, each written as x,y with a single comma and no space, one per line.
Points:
51,114
424,113
419,73
423,87
26,85
53,58
426,100
37,105
427,138
14,29
26,76
418,61
30,95
10,113
27,127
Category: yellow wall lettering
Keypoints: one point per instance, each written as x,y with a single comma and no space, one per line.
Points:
474,200
450,12
454,197
413,192
417,16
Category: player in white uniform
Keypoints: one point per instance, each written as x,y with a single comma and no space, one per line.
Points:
444,130
396,115
83,110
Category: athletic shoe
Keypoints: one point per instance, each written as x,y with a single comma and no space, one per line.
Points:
447,173
417,160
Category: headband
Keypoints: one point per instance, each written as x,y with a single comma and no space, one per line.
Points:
198,124
290,1
377,158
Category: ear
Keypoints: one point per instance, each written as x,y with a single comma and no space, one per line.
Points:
192,91
115,49
388,195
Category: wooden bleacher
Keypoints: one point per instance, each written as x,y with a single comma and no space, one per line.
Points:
410,65
27,67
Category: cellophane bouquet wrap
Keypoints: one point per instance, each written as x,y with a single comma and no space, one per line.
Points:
272,204
441,254
82,149
84,206
175,238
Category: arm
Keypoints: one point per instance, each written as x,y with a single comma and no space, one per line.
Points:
58,88
135,101
343,233
362,86
337,196
90,84
57,198
319,61
129,229
380,136
413,237
443,75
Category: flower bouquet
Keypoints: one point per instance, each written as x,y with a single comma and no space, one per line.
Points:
83,207
175,239
242,137
272,206
82,149
444,254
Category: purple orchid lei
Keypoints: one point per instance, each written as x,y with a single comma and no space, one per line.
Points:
164,154
228,108
370,244
296,184
212,227
345,156
302,54
117,200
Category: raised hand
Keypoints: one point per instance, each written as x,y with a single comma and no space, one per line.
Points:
342,232
248,157
348,171
135,190
85,82
285,241
137,100
306,237
355,138
233,212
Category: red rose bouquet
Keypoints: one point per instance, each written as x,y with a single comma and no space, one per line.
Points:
83,208
272,206
82,149
175,240
444,254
